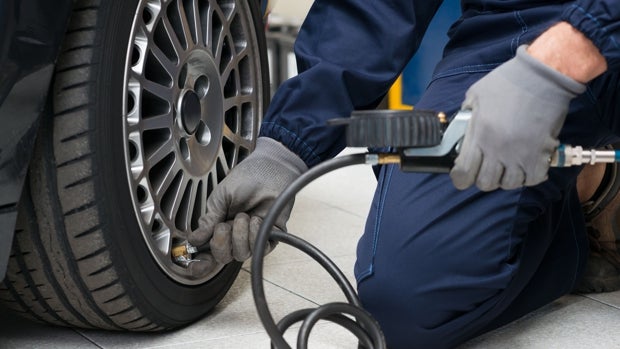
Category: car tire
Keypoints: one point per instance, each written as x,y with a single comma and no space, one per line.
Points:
154,101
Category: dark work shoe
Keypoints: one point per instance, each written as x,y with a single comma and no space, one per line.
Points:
602,273
602,214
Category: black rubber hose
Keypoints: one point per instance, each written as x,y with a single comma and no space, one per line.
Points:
367,325
301,315
364,320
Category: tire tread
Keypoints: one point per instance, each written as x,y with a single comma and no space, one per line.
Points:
83,289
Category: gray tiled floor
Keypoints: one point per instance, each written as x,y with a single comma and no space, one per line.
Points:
330,213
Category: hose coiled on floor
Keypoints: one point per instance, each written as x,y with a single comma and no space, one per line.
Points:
365,327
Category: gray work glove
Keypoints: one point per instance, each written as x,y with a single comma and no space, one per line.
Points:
238,204
518,110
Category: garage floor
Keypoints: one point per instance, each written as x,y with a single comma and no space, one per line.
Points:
330,213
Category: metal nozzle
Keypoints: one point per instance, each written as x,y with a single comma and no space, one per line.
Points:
566,156
183,254
382,159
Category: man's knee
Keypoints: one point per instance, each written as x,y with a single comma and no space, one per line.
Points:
422,315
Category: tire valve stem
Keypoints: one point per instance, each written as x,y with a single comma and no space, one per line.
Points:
182,254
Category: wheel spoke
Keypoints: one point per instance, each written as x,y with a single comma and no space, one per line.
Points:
162,121
161,57
233,63
200,202
237,101
191,204
207,24
196,22
161,152
211,180
161,91
223,161
169,177
237,139
172,37
185,25
163,241
177,196
139,49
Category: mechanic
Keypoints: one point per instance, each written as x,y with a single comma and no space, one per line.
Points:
444,257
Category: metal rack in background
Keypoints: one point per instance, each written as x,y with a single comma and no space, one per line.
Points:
280,40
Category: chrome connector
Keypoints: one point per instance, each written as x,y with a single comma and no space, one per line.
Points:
382,159
566,156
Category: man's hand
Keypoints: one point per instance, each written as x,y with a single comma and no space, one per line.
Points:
238,204
518,110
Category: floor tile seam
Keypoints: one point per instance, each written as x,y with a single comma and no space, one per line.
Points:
341,209
602,302
322,200
87,338
296,326
286,289
181,344
316,303
299,262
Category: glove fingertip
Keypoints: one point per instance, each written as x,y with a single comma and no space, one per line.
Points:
460,178
240,237
202,265
206,226
199,236
242,216
255,224
466,166
462,174
221,243
210,220
468,103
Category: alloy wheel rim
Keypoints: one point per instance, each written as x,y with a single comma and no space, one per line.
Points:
193,99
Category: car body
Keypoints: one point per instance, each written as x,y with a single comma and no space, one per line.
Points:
29,47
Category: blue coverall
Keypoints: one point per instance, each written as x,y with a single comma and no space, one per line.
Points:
437,266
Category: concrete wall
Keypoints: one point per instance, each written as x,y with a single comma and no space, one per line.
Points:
292,9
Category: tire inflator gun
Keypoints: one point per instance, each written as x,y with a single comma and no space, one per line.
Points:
426,142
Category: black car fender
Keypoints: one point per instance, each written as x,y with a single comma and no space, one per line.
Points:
31,33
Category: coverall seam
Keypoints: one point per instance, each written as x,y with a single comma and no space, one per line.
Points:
487,67
577,259
596,21
590,94
384,190
516,42
510,231
297,139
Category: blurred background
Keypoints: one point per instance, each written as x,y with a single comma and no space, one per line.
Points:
287,15
294,10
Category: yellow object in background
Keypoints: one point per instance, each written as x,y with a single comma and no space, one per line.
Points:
395,96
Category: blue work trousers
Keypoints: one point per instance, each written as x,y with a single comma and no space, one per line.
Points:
437,266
